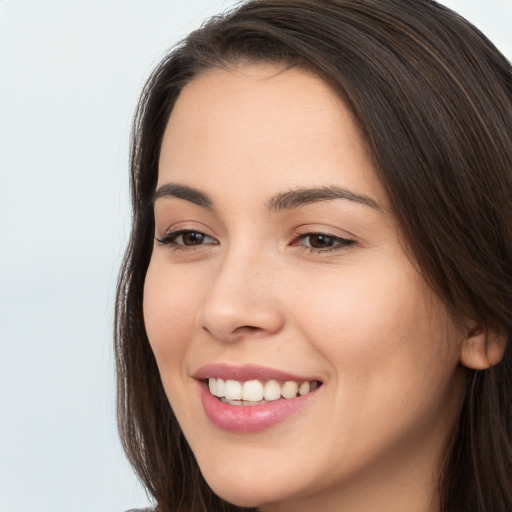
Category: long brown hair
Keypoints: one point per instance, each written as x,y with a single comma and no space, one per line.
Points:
433,98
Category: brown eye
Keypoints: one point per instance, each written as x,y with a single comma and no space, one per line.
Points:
321,241
192,238
186,238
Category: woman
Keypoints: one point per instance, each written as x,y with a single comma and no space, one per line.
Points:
314,309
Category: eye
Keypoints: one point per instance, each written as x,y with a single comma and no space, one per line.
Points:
322,242
184,238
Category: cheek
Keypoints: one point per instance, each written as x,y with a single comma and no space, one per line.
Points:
362,309
382,325
170,308
392,354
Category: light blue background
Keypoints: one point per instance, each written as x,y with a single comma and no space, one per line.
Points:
70,74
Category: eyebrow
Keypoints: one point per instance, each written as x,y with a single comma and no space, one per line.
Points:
282,201
183,192
303,196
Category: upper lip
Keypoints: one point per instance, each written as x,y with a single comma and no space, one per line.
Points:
247,372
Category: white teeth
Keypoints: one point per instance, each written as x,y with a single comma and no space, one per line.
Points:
220,388
242,402
254,392
233,390
249,402
231,402
289,389
304,388
272,390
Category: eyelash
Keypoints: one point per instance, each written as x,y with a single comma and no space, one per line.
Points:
170,238
340,243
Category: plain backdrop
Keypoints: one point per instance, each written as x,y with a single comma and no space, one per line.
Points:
70,74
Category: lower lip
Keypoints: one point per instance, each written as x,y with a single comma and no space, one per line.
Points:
249,418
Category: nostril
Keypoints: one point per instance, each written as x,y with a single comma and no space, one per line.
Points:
228,315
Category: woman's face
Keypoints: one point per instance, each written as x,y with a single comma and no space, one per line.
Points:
278,262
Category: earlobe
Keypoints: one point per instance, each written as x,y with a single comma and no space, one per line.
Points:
482,349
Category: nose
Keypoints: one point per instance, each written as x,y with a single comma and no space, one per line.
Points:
241,300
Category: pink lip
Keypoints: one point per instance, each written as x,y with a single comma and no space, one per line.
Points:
254,418
246,372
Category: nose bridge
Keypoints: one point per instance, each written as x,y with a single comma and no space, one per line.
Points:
241,298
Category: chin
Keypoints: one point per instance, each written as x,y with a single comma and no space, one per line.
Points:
240,494
246,490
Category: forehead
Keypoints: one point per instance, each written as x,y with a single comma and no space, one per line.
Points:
262,124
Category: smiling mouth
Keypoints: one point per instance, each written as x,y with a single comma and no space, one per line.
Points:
258,392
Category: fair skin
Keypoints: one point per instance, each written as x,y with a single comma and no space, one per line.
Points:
240,278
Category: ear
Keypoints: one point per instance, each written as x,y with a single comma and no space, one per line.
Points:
482,349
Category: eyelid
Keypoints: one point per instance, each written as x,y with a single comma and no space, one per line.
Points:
323,229
167,228
170,235
340,242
